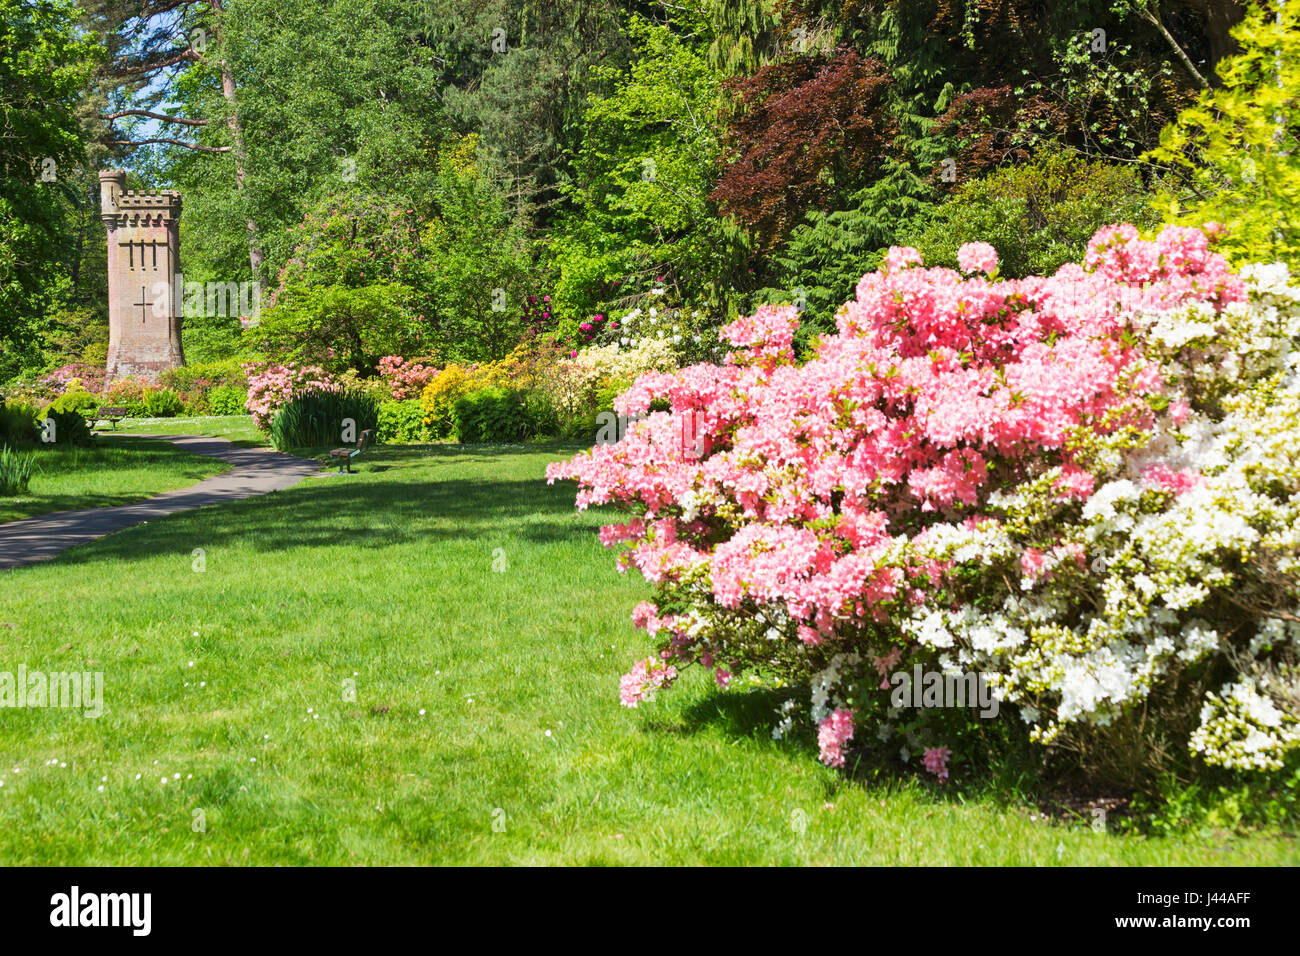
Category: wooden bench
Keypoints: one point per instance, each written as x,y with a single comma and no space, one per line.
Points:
112,414
345,455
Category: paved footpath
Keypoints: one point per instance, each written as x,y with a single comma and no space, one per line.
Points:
257,471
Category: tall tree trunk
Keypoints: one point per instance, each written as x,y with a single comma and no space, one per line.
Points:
1220,17
255,256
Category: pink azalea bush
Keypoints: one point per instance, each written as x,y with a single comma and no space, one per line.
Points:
78,375
1083,487
270,386
406,379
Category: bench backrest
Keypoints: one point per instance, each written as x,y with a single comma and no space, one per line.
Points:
112,410
366,439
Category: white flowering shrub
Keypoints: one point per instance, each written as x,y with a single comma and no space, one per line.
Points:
1181,564
574,388
691,335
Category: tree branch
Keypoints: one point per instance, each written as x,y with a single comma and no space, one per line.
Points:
172,142
157,116
1152,17
187,54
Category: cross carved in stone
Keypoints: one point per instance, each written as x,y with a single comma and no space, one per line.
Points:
144,304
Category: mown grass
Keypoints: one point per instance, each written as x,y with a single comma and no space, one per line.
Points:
115,470
238,429
485,727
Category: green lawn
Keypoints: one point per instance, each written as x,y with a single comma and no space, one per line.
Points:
482,698
115,470
238,429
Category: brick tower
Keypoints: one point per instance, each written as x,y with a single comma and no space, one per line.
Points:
144,325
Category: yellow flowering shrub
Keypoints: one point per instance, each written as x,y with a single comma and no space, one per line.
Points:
439,396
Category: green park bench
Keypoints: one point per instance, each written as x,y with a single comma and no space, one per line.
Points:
345,455
111,414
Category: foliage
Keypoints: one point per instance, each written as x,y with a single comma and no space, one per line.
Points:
346,298
17,422
126,393
801,128
402,421
478,267
375,388
64,427
640,211
228,400
830,251
315,419
1077,488
75,400
438,400
45,61
1239,148
15,471
1039,214
162,403
200,375
323,106
208,388
491,415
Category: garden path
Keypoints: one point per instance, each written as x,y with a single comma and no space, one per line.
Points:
256,471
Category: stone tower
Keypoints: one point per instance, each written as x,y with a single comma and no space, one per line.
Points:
144,323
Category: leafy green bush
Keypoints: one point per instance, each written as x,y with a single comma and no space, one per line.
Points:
402,422
15,471
491,415
162,403
316,419
75,400
194,385
17,422
64,427
829,252
186,378
228,400
1038,216
197,402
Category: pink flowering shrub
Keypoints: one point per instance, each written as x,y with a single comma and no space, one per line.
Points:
978,257
832,734
270,386
935,761
982,476
78,375
406,379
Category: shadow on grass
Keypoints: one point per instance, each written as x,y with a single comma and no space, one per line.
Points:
1013,778
140,446
748,714
369,512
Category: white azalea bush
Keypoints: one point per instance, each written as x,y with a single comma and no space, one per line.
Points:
1182,564
691,334
579,378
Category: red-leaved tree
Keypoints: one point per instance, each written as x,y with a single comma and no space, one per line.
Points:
801,129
